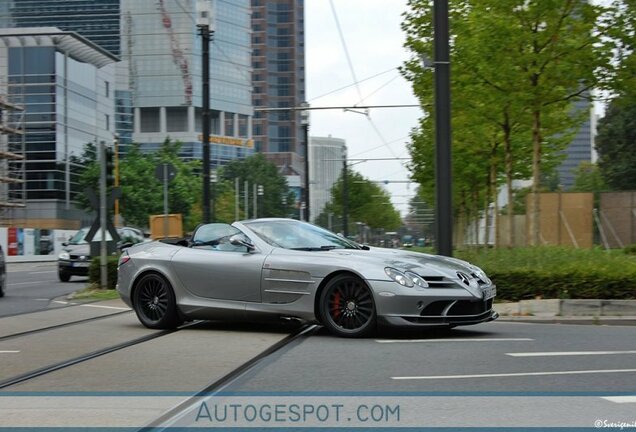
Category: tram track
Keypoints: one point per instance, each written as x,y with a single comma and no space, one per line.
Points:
62,325
88,356
170,418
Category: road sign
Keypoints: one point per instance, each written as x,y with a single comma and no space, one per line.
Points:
169,173
92,197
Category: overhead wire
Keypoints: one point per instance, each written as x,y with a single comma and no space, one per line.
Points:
353,74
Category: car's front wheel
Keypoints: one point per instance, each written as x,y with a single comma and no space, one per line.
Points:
154,302
64,277
347,308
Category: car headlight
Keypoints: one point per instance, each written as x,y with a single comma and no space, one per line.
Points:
398,277
480,274
416,279
64,256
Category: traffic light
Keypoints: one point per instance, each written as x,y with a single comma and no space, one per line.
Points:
110,166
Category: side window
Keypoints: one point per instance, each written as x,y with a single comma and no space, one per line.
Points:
216,237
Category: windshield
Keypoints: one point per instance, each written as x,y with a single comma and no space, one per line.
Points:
297,235
80,237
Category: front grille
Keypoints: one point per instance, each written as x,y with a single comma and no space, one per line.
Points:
465,307
79,257
436,308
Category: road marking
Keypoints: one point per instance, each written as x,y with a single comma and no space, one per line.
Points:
522,374
41,272
105,307
454,340
567,353
9,352
91,305
620,399
30,283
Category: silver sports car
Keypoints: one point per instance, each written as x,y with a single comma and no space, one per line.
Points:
285,268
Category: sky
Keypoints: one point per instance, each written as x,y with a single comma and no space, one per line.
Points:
374,41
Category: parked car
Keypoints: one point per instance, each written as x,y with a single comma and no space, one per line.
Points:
3,273
75,258
283,268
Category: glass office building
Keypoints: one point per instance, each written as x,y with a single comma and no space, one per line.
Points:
96,20
163,50
278,58
65,83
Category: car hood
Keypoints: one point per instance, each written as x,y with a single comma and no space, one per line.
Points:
371,263
80,249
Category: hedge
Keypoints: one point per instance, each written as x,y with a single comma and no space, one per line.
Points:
556,272
94,271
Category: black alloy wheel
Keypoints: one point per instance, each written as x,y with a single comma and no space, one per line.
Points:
154,302
347,308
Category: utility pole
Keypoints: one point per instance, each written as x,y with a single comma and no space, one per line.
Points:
304,121
103,264
116,182
247,199
236,198
443,167
345,195
203,23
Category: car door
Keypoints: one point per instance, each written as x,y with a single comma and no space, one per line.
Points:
221,271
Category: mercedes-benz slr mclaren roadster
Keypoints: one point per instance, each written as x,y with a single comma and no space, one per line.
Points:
283,268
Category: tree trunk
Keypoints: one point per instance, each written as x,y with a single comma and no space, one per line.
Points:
535,228
510,220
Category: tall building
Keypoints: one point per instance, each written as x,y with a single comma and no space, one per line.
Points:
158,82
96,20
278,59
163,52
65,84
325,156
581,149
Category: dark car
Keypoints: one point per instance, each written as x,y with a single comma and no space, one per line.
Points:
76,258
3,273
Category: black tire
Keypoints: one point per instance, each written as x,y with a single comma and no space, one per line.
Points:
346,307
64,277
154,302
1,290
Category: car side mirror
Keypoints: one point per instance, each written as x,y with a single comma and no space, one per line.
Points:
240,240
64,243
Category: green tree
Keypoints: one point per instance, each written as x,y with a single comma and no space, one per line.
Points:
368,203
588,178
616,144
142,192
277,199
518,66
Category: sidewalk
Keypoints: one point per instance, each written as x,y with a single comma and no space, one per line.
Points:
569,311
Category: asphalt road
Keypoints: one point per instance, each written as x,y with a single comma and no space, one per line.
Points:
34,286
498,374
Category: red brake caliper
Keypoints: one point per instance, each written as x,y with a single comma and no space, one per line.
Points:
335,305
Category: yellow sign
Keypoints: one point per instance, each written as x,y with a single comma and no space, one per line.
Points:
229,141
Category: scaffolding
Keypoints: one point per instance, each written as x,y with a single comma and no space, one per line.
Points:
12,157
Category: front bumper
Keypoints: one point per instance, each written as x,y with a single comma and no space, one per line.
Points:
431,307
73,267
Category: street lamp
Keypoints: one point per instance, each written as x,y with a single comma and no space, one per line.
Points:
304,121
205,24
260,192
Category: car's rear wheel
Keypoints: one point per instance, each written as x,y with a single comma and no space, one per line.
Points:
347,308
154,302
64,277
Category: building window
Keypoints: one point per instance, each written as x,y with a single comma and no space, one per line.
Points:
107,89
107,118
